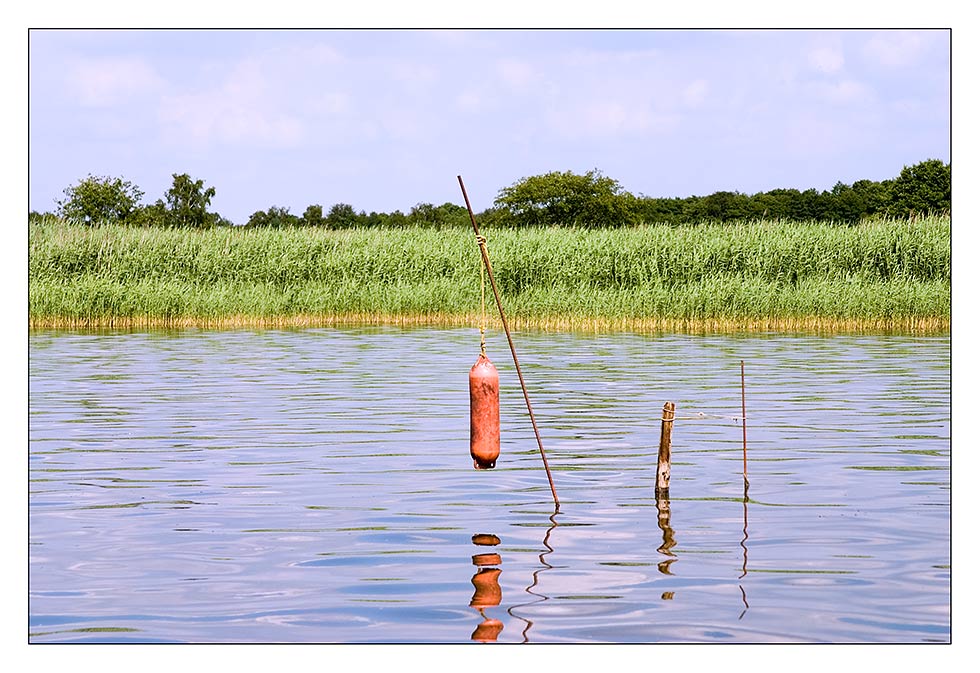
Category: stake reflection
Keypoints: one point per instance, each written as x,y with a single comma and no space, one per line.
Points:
534,579
663,522
745,549
486,588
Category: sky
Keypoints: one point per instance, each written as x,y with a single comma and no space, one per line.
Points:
386,119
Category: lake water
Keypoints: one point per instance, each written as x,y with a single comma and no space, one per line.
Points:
316,486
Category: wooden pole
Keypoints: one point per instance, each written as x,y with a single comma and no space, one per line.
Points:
663,456
503,320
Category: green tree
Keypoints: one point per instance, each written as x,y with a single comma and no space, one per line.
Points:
659,210
342,216
452,215
722,206
852,203
872,195
778,204
258,219
312,216
279,216
491,217
374,219
422,214
154,215
100,200
446,215
813,205
567,199
845,204
187,203
276,216
923,188
396,218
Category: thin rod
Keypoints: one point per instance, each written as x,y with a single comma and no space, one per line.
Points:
745,441
510,341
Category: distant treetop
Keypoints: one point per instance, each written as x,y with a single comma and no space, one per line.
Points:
551,199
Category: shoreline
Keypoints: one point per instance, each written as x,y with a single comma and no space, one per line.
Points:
907,325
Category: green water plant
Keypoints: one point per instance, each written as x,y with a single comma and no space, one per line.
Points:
886,272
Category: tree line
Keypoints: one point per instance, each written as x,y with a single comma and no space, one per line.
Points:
556,198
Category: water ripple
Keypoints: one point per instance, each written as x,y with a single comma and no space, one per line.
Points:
316,486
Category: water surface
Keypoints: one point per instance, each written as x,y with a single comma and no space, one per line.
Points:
316,486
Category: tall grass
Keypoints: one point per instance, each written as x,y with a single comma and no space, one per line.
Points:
884,273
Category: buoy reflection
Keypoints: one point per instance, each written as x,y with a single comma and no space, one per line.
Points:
486,588
486,583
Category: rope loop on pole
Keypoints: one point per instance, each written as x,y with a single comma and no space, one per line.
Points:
483,297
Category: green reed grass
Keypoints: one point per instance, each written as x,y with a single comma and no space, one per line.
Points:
884,273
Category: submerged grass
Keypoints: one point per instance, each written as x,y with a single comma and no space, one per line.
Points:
756,275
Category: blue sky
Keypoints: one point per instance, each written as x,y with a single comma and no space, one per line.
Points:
387,119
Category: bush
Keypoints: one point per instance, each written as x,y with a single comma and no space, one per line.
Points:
555,198
101,200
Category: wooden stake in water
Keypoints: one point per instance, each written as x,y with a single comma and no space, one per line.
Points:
663,456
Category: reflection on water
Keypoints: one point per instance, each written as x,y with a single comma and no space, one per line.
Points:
316,486
663,522
487,592
745,539
530,589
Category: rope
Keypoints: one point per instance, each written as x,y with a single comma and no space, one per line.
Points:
482,242
702,415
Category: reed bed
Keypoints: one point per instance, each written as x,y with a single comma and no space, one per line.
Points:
884,275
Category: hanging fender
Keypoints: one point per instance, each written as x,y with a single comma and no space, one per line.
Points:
484,414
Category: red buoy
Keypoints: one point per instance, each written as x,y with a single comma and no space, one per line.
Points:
484,413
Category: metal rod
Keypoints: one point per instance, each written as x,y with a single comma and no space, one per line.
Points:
503,319
745,441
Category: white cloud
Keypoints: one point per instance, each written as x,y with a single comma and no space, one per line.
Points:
107,82
608,118
402,128
331,103
842,92
469,101
414,76
826,59
810,136
516,74
598,95
317,55
695,93
239,110
895,49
